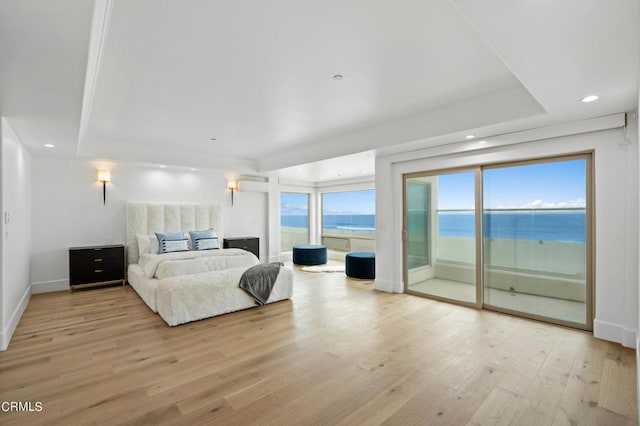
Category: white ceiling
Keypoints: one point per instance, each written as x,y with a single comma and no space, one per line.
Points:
154,80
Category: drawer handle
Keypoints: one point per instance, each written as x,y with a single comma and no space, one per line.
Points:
97,249
97,270
97,260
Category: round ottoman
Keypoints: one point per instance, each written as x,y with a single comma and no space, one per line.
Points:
361,264
309,254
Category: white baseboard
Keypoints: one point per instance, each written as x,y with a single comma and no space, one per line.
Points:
7,332
629,338
388,286
614,333
49,286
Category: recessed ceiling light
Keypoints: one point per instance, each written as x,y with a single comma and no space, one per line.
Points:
162,166
338,77
590,98
470,136
193,169
48,145
363,171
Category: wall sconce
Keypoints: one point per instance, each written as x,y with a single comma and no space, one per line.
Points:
104,176
231,186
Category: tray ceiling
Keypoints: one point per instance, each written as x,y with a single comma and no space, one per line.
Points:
249,86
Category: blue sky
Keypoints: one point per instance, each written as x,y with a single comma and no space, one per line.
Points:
354,202
294,204
547,185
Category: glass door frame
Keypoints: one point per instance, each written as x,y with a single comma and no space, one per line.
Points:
588,156
589,241
478,241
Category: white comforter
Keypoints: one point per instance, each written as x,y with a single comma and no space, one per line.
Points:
190,298
169,265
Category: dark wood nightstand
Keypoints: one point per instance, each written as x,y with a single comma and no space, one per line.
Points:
251,244
96,265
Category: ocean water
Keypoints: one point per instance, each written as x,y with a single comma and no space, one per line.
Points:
346,222
294,221
566,226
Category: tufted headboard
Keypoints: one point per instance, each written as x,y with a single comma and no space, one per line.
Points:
148,218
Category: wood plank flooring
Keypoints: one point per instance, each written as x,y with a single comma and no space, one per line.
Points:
339,353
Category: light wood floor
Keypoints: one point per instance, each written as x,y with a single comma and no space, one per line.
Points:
340,352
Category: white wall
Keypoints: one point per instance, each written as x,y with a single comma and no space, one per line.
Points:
68,209
4,338
16,231
616,215
638,263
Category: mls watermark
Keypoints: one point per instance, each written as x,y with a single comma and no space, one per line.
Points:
28,406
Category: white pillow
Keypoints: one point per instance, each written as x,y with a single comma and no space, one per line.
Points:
147,244
170,246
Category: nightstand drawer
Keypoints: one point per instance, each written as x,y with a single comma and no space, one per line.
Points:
251,244
96,255
96,265
94,275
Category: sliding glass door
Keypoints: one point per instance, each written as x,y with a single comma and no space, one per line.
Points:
536,238
514,238
440,228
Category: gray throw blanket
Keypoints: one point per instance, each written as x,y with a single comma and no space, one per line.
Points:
258,281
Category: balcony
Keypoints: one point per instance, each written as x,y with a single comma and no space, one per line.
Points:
534,253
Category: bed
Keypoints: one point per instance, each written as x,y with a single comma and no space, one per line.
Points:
186,286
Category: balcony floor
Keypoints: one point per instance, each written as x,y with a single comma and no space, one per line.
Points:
564,310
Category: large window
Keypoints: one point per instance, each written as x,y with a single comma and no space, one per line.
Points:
349,220
294,220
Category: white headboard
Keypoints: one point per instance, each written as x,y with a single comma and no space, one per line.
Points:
148,218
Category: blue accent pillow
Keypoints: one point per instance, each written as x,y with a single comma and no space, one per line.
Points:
171,236
206,244
198,235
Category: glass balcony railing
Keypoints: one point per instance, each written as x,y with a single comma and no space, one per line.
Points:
540,240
